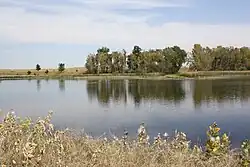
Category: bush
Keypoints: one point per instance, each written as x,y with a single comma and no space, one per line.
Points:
47,71
28,72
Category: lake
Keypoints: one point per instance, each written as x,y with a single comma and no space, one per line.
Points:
99,106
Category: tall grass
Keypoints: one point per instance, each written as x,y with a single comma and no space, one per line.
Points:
25,142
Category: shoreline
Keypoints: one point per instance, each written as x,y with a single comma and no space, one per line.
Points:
150,76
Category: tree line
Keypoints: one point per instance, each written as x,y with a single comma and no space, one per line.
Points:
220,58
168,60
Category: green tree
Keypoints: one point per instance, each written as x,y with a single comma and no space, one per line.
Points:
129,63
91,64
134,59
220,58
137,59
202,58
38,67
118,64
61,67
104,60
174,57
179,59
103,50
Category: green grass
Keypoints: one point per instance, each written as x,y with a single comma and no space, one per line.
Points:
25,142
213,73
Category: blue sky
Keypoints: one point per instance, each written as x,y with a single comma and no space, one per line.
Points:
52,31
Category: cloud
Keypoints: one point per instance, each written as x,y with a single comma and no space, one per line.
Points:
133,4
96,22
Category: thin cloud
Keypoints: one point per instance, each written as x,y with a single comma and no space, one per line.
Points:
96,23
133,4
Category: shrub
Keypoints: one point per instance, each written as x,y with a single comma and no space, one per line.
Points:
28,72
47,71
216,144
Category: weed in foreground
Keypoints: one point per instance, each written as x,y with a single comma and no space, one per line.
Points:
24,142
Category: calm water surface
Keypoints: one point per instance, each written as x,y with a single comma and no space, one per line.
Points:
99,106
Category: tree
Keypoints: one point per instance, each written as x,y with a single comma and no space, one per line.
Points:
91,64
169,59
179,59
118,62
136,59
129,63
38,67
174,57
133,60
220,58
104,60
61,67
103,50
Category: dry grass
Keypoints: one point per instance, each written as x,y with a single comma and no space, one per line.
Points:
27,143
52,72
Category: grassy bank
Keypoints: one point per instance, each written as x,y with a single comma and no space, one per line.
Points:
91,76
80,73
28,143
197,74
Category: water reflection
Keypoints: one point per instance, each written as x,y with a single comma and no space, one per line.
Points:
38,85
156,90
105,91
61,83
206,91
119,90
201,91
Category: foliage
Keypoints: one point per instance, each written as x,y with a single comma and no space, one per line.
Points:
220,58
38,67
168,60
28,72
61,67
245,149
25,142
47,71
215,144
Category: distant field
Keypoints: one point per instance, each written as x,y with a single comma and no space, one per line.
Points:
81,72
68,71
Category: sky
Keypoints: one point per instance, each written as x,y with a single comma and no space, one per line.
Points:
48,32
